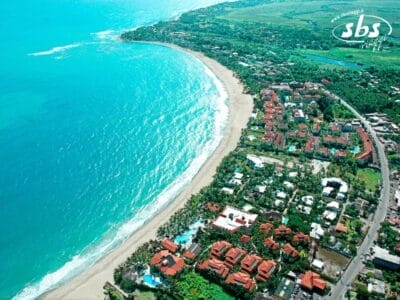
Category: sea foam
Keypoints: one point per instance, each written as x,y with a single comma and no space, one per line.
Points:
55,50
80,262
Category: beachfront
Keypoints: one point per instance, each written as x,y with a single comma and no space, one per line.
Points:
89,284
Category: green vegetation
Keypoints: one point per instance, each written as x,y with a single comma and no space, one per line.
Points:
370,177
193,286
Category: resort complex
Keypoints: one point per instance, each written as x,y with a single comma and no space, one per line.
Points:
305,207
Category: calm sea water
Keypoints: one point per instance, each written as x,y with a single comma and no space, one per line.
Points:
95,135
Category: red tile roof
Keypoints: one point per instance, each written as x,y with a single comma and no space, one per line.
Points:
167,263
250,263
311,280
242,279
266,269
367,153
234,256
282,230
266,227
271,244
290,250
214,265
245,238
219,248
300,237
340,227
213,207
170,245
309,148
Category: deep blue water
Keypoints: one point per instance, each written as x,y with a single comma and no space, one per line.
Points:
95,134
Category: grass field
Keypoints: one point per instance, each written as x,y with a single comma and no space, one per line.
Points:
365,57
316,15
371,177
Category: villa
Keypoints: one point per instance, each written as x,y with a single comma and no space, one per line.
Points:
290,251
218,249
216,266
242,279
311,281
167,263
250,263
234,256
271,244
170,245
265,270
282,230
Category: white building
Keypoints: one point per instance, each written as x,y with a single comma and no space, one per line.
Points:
232,219
228,191
308,200
317,231
255,160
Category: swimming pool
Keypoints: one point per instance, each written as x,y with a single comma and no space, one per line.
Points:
356,150
186,237
292,148
150,281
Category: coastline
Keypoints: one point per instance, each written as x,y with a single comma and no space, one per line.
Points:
89,284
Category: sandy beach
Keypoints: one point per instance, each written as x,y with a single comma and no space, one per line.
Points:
89,284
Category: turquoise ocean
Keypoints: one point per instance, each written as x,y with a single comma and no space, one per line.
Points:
95,135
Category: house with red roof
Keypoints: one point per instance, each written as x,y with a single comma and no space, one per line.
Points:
316,129
365,156
218,249
245,238
300,238
192,252
271,244
282,231
265,270
242,279
309,147
170,245
167,263
290,252
214,265
266,228
311,281
250,263
234,256
323,153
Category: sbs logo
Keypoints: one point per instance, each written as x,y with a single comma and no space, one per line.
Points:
361,30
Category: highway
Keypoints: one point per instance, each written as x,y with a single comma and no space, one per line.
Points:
338,291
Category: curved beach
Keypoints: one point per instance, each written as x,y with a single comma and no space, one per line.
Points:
89,284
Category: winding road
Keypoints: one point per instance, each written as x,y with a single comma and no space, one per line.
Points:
338,291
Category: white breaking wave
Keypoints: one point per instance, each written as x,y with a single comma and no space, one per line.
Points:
55,50
107,35
80,262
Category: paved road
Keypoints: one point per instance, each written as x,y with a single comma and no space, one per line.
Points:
338,291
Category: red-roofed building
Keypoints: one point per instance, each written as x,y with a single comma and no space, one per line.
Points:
214,265
250,263
340,227
213,207
290,251
300,238
311,281
323,152
245,238
170,245
234,256
192,252
266,269
242,279
219,248
266,228
167,263
282,230
365,156
309,148
340,154
271,244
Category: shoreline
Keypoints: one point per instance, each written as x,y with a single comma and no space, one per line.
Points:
89,284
